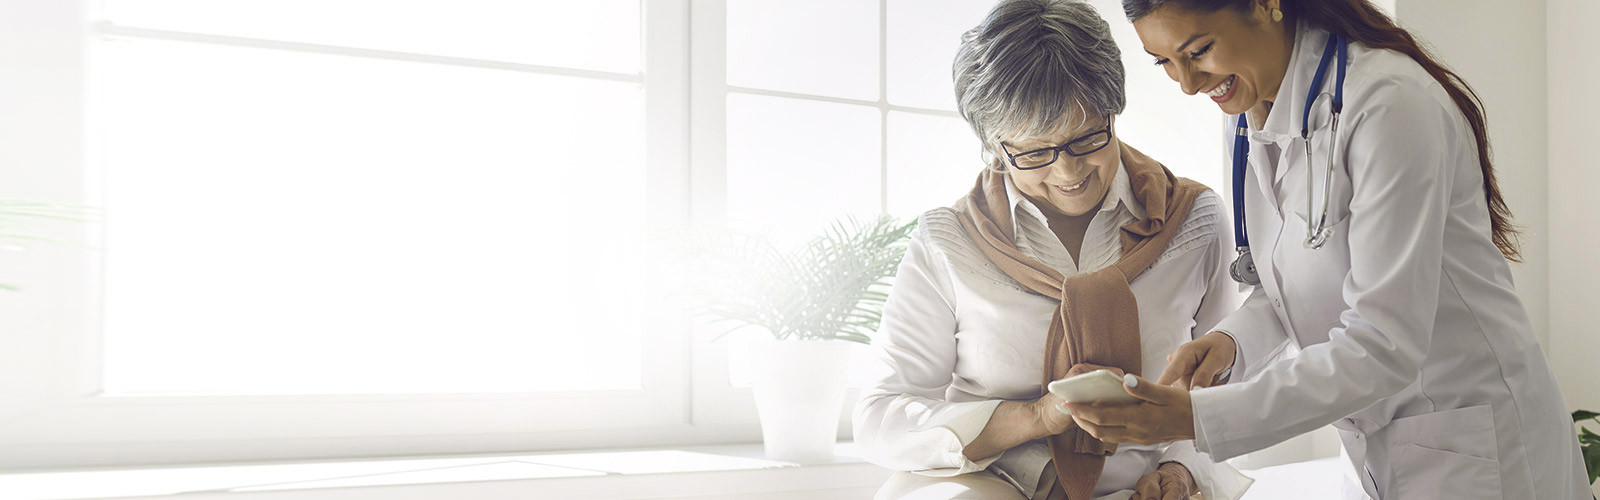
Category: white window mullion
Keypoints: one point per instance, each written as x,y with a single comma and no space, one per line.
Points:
666,45
883,106
716,402
43,53
708,94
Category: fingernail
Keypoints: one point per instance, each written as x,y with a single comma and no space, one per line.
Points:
1130,380
1063,409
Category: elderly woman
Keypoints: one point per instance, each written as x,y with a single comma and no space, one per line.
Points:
1073,252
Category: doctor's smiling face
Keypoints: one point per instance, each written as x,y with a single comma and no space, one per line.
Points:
1080,175
1236,56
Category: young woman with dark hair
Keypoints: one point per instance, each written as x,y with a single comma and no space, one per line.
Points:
1376,246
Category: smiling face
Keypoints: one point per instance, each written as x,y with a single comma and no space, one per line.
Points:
1072,185
1237,58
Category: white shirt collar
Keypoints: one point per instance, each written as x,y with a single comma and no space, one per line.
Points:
1284,119
1119,195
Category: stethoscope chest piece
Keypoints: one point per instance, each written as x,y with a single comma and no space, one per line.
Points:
1244,268
1316,240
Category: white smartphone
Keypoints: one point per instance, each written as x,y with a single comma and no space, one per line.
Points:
1099,386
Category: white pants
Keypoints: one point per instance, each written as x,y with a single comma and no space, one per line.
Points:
981,485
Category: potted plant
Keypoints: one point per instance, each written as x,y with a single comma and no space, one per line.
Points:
1588,441
814,302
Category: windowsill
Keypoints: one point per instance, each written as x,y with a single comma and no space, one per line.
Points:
732,471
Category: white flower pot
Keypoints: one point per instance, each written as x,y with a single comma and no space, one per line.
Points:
799,388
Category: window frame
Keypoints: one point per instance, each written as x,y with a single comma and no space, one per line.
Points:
716,401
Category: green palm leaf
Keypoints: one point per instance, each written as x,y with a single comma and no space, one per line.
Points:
833,287
1589,442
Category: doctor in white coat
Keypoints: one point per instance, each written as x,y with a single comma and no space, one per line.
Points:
1381,297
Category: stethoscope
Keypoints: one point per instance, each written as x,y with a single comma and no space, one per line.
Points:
1317,232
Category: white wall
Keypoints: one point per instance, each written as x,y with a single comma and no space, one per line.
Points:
1529,62
1498,47
1574,218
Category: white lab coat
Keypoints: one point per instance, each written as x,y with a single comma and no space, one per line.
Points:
1410,337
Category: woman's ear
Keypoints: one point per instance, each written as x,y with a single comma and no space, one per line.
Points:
1266,12
1262,10
991,160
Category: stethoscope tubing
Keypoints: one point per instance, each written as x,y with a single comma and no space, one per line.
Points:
1317,232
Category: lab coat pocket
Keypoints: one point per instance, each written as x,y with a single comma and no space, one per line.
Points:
1423,472
1445,454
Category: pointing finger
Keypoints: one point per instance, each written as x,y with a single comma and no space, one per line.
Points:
1180,364
1206,374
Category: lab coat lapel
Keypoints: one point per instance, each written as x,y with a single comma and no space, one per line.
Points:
1264,223
1261,168
1283,124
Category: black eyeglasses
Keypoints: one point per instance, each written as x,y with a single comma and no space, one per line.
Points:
1043,157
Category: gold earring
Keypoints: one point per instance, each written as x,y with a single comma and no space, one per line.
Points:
1277,15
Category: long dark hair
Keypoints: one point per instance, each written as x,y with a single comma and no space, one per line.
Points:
1362,22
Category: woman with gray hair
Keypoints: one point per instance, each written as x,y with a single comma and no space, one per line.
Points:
1072,253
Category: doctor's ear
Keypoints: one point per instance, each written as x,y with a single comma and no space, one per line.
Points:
1267,10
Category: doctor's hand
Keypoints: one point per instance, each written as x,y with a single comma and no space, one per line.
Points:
1162,414
1198,363
1170,481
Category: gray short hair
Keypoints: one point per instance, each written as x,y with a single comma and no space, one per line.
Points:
1033,67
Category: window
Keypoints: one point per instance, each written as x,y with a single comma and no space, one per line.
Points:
355,227
289,206
364,220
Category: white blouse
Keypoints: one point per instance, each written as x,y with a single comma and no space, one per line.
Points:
959,336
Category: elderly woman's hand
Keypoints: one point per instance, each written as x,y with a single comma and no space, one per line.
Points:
1082,368
1017,422
1170,481
1051,418
1049,408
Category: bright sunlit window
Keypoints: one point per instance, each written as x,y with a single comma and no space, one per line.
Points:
380,225
856,122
